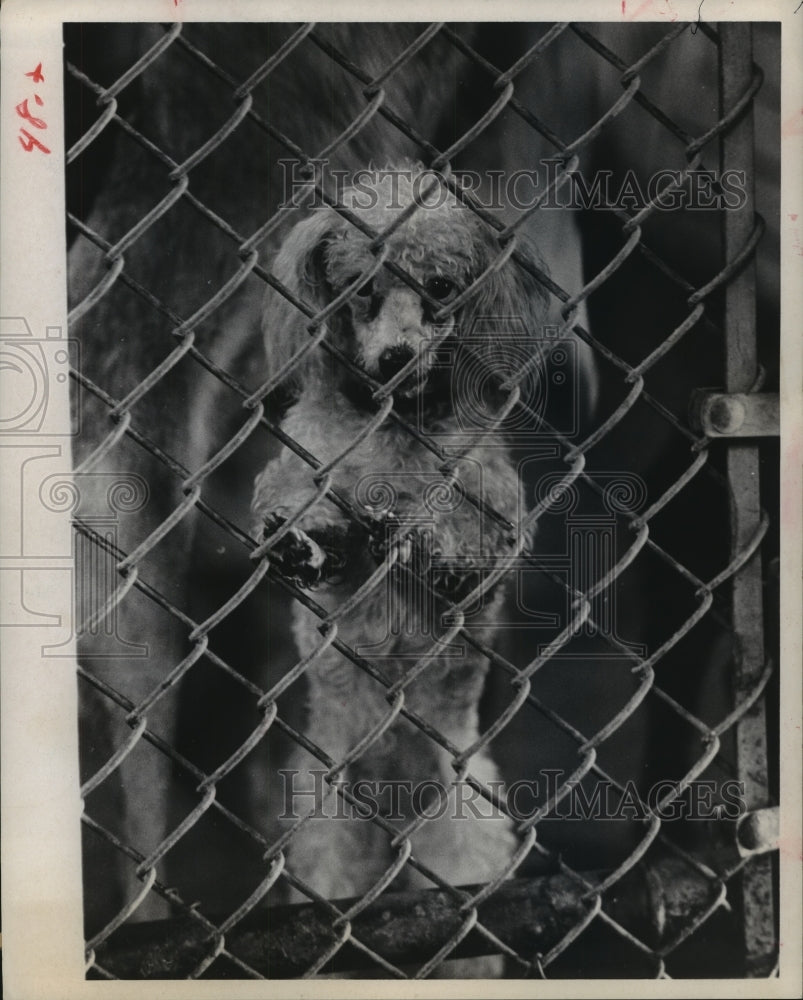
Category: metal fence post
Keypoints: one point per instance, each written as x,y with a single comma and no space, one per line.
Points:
742,463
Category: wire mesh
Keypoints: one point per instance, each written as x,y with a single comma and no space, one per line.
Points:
623,714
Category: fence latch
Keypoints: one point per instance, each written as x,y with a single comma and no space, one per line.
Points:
757,832
735,414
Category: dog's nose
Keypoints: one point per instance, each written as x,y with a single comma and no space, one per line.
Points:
392,360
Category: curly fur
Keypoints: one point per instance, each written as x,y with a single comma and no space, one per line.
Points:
388,478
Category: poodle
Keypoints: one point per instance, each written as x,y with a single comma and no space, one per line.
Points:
385,507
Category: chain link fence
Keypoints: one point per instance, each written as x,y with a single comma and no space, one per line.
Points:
648,667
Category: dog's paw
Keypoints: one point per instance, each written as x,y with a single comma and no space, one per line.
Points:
415,546
418,550
384,526
295,555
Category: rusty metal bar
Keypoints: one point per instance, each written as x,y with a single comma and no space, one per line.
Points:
742,465
655,903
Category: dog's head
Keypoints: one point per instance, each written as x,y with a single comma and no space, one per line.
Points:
403,292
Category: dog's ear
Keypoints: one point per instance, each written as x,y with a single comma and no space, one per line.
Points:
509,315
502,325
300,267
511,300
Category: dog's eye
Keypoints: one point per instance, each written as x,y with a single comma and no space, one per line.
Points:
441,289
367,289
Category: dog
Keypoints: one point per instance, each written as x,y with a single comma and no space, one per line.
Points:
347,533
437,285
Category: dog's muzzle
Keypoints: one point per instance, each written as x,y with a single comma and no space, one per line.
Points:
391,362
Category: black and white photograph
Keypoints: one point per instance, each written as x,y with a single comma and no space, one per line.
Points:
421,435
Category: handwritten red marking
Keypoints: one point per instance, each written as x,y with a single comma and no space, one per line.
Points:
624,6
793,216
26,140
29,142
663,8
23,112
793,125
641,9
670,12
